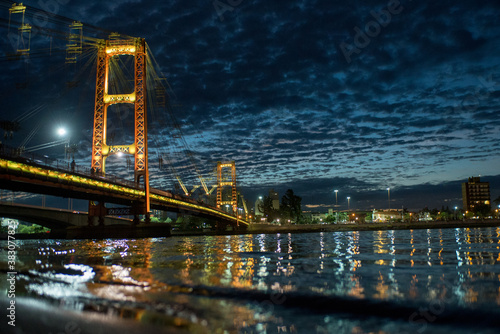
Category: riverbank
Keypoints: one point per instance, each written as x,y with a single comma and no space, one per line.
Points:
263,228
272,229
164,230
152,230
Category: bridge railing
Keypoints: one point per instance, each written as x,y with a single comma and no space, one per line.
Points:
35,159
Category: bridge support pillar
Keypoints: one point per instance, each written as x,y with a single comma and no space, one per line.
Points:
223,182
104,98
220,226
96,210
137,220
139,208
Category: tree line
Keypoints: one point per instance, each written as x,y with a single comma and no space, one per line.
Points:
290,209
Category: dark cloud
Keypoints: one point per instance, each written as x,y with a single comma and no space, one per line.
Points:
268,85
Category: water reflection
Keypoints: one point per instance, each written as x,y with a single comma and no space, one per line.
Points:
380,265
139,278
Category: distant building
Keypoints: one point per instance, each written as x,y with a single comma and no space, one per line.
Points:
380,216
275,198
475,193
318,216
258,204
424,216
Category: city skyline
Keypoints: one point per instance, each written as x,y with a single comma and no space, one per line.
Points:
311,96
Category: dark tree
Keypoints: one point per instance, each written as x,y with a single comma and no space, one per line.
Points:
482,210
267,209
9,128
291,206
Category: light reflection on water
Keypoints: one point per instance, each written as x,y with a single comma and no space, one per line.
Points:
171,276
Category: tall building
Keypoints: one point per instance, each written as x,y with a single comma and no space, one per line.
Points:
276,199
258,204
475,193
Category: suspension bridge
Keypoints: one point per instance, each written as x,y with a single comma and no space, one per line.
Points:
127,82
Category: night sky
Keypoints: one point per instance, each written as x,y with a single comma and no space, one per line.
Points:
356,95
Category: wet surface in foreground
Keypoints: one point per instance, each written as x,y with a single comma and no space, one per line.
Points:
421,281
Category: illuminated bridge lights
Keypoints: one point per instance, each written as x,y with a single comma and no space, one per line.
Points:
194,206
120,50
126,149
72,179
119,98
223,183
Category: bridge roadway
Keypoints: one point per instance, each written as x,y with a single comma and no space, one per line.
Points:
52,218
32,177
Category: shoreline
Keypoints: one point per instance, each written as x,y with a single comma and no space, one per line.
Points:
163,230
273,229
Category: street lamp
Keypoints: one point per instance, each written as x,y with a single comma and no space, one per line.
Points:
455,213
61,132
389,197
69,149
348,202
336,207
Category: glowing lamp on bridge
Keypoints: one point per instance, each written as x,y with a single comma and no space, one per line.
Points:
119,50
61,132
119,98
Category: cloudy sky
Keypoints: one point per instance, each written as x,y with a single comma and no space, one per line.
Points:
312,95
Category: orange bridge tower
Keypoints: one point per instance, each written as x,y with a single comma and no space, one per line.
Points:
135,47
224,182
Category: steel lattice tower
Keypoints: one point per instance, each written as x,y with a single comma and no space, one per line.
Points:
223,183
100,150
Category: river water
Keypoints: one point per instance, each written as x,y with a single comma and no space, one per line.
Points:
404,281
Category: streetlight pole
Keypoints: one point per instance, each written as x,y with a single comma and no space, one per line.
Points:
67,152
336,207
389,197
455,215
348,202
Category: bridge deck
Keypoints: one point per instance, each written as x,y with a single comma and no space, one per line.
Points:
32,177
